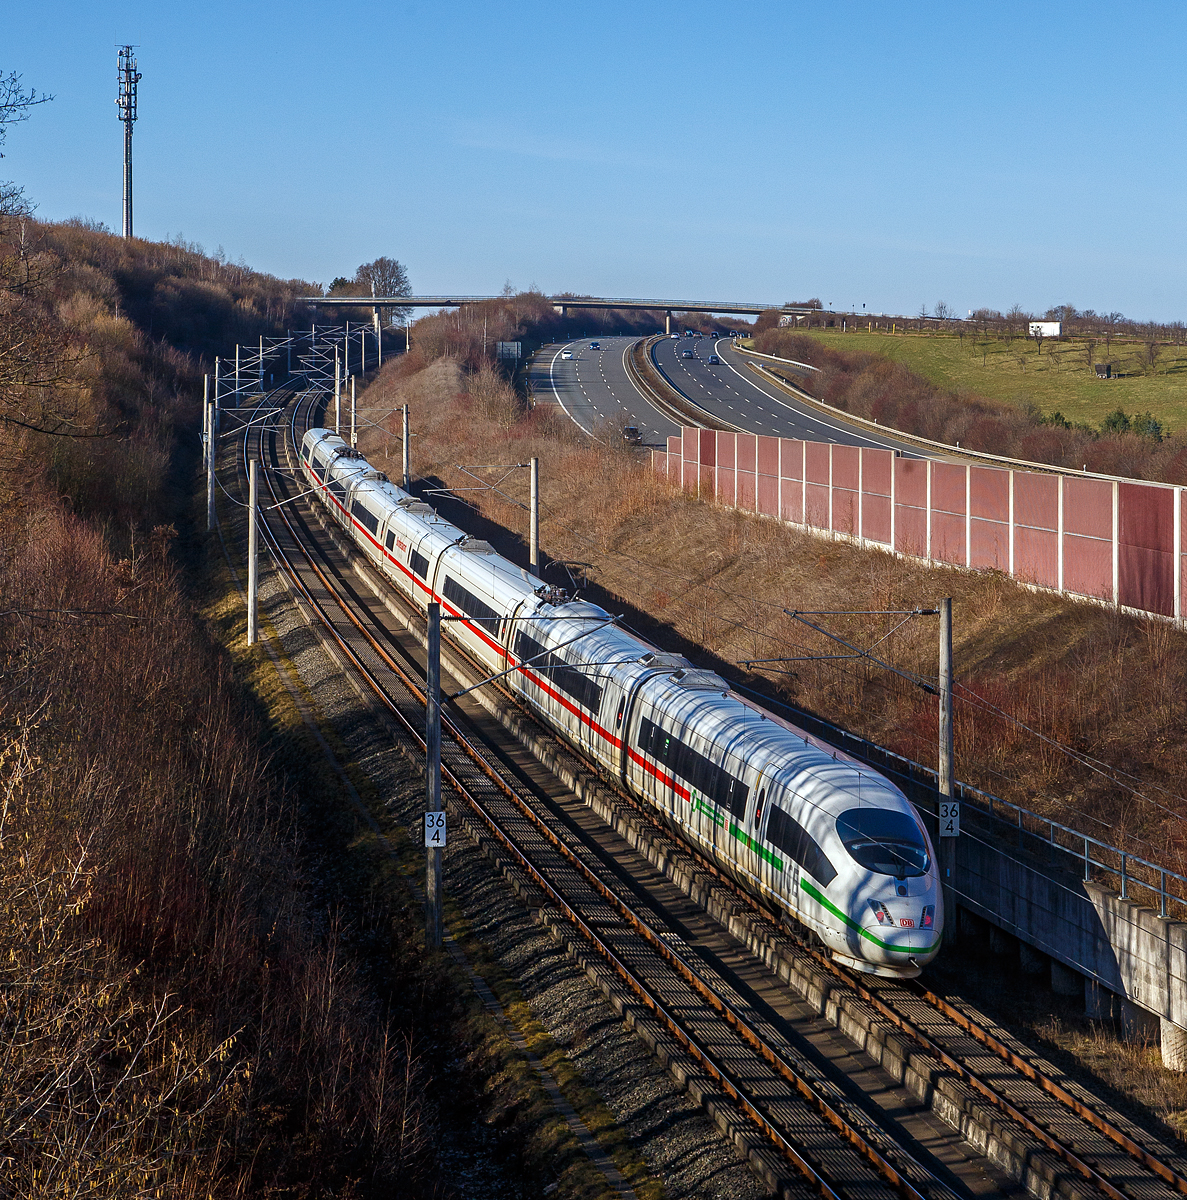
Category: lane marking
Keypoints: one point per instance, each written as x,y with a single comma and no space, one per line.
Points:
552,381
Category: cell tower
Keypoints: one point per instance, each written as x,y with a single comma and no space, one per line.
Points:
129,77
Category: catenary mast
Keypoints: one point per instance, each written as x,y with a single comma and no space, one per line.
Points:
129,77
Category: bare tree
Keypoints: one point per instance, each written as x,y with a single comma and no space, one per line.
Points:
15,103
943,311
386,277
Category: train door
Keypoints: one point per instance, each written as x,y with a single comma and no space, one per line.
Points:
507,645
745,830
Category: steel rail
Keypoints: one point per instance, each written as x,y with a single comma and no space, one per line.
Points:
1048,1085
1051,1087
676,962
812,1173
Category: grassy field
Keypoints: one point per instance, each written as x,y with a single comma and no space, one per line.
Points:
1057,377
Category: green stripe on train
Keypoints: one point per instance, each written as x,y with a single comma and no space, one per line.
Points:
761,851
711,813
865,933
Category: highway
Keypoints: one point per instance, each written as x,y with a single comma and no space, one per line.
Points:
593,390
733,393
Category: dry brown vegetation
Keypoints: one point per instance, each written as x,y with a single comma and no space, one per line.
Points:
1036,673
183,1008
874,387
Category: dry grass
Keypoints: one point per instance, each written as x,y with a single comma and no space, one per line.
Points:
178,1018
714,582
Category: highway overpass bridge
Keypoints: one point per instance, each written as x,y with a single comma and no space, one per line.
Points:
562,304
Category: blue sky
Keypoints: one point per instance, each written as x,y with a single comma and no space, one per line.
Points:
886,155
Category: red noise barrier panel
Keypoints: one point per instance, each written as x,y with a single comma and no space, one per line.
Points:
1106,539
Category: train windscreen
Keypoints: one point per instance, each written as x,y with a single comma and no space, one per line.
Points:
885,841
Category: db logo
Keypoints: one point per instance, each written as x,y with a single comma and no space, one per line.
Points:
907,922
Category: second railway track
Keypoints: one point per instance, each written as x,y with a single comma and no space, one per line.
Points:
819,1138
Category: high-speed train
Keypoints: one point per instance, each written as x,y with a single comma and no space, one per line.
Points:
807,828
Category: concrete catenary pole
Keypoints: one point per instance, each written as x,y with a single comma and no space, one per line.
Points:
288,352
205,418
346,351
407,456
236,374
354,440
253,549
949,814
261,362
534,519
433,776
337,396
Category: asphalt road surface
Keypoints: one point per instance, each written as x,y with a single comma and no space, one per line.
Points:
593,390
732,392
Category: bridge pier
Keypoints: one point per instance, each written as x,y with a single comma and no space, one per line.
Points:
668,322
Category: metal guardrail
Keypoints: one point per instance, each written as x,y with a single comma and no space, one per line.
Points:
678,408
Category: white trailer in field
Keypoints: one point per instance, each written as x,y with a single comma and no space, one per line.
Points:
1044,329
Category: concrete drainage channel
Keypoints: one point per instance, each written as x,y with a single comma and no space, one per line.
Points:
926,1079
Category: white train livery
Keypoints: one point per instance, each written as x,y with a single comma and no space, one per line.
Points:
810,830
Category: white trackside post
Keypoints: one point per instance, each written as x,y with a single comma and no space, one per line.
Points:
433,776
337,396
407,457
354,441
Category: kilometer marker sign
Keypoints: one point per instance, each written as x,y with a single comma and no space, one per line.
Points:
435,829
949,818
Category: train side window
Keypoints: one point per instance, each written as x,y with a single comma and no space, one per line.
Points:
788,835
391,538
621,710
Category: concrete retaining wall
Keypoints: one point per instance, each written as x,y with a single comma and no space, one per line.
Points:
1130,962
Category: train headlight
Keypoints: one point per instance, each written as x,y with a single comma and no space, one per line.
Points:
928,918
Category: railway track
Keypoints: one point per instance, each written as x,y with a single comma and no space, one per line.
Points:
1069,1143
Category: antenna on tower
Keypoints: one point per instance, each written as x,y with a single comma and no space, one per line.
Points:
129,77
